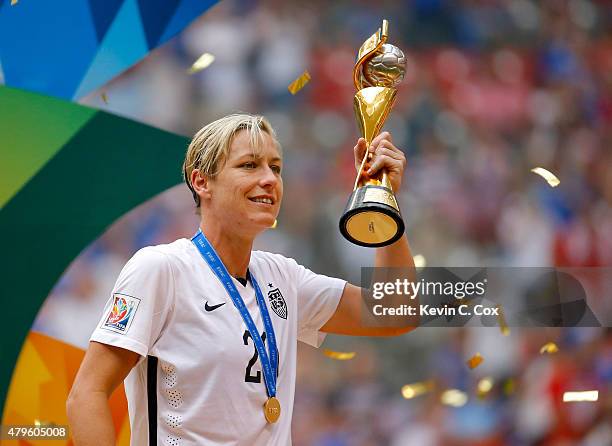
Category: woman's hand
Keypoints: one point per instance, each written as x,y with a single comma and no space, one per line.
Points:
382,155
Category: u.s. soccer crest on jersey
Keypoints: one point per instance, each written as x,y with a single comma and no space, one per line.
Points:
277,302
121,313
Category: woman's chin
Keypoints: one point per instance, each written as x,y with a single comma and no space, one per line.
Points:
268,223
263,222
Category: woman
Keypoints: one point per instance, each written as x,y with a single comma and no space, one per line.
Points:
205,331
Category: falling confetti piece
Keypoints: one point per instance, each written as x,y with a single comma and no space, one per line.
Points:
203,61
104,97
508,386
453,397
413,390
419,261
458,302
484,386
587,395
503,326
299,83
14,2
475,361
274,224
549,347
340,356
548,176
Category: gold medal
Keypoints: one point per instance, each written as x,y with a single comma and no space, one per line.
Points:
272,409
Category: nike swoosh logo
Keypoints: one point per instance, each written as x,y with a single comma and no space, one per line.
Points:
214,307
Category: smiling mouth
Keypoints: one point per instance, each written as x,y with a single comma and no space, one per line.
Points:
268,201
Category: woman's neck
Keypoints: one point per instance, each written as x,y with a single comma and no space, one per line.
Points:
234,250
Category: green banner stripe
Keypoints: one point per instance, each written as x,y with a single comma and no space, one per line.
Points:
33,129
109,167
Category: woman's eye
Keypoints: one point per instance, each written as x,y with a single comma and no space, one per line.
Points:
249,165
276,169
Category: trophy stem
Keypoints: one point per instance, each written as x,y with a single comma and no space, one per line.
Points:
366,156
372,106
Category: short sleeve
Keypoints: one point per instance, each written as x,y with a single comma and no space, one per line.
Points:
317,299
141,299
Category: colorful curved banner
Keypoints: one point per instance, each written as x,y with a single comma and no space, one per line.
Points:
67,172
69,48
42,380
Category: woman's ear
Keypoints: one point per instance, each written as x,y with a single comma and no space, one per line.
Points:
201,184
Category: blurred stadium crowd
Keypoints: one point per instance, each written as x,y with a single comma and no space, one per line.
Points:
493,88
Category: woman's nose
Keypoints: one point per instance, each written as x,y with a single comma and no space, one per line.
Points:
269,177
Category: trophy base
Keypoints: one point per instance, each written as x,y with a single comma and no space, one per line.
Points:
371,217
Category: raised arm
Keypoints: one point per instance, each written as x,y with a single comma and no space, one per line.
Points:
348,318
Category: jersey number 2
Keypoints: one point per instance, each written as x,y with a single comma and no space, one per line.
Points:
247,376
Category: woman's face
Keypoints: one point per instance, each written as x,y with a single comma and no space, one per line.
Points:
247,192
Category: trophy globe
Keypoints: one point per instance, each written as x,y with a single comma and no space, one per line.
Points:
386,68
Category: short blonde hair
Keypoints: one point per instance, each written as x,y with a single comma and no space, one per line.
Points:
210,146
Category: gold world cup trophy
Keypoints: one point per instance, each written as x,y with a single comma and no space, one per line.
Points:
372,217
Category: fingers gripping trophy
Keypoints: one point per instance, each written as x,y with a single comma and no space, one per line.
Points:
372,217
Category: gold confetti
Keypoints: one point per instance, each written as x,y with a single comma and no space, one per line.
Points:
587,395
503,326
456,303
413,390
549,347
14,2
475,361
548,176
454,397
508,386
274,224
203,61
299,83
419,261
104,97
484,386
340,356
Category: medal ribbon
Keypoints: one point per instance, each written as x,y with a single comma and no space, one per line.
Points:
269,362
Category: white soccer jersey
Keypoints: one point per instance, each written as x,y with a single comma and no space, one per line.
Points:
200,381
